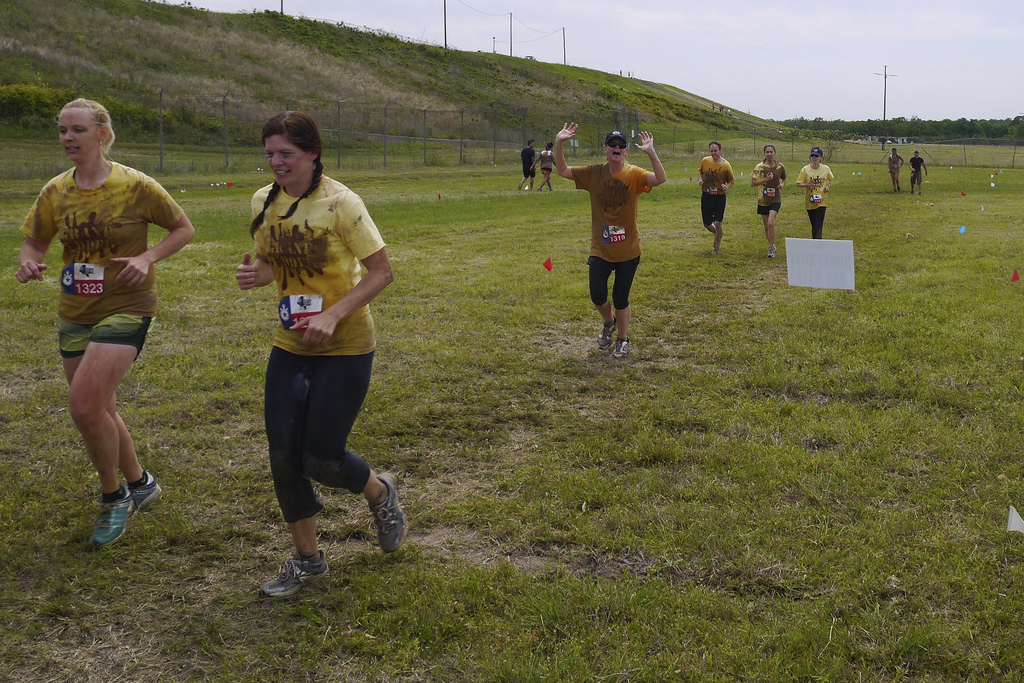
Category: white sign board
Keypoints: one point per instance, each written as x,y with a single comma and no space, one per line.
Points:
825,264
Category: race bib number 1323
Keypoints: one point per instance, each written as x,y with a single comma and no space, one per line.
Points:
82,279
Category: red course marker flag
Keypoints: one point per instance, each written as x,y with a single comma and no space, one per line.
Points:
1015,276
963,194
547,264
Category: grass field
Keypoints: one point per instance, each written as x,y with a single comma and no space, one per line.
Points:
779,484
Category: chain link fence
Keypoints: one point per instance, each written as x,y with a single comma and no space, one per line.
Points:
209,133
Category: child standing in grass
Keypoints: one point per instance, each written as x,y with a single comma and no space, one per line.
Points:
101,211
615,188
313,237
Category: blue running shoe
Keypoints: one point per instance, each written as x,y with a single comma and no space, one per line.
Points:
113,521
146,493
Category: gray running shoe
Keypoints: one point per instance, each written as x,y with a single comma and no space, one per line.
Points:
621,348
147,493
604,339
113,521
388,517
714,252
295,572
771,252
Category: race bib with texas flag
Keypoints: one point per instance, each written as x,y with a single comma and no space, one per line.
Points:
82,279
294,308
769,192
611,234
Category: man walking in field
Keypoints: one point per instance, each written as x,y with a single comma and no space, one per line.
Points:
529,155
916,164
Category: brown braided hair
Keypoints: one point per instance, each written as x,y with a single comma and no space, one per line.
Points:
301,130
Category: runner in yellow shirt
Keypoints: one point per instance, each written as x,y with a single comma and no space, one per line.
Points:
615,188
101,212
313,238
770,177
816,179
716,177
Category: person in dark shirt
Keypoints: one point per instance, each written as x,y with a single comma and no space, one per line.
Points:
916,164
529,155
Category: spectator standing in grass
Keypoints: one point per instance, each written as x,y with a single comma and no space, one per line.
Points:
615,188
770,177
895,162
716,177
313,238
916,164
101,211
529,156
816,179
547,161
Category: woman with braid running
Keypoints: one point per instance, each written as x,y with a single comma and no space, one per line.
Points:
313,238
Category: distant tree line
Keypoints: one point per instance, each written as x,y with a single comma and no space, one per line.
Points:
915,128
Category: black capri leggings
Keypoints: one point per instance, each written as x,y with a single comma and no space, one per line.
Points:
817,217
310,405
601,270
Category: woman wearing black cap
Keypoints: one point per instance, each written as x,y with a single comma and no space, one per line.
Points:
816,179
615,189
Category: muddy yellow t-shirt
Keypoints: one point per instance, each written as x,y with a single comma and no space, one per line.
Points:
94,226
315,254
769,193
614,235
715,175
815,196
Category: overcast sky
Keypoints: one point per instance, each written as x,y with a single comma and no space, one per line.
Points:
777,60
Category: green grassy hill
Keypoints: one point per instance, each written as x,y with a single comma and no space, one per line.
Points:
131,50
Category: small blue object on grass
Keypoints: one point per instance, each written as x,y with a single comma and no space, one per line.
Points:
963,229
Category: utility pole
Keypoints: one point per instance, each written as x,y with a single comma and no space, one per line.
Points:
509,34
445,7
885,94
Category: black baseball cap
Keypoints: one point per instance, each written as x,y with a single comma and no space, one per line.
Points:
614,134
816,152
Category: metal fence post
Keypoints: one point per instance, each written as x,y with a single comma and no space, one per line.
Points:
340,102
386,133
224,114
160,167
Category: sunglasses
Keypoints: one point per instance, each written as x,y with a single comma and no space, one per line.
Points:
619,145
815,156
